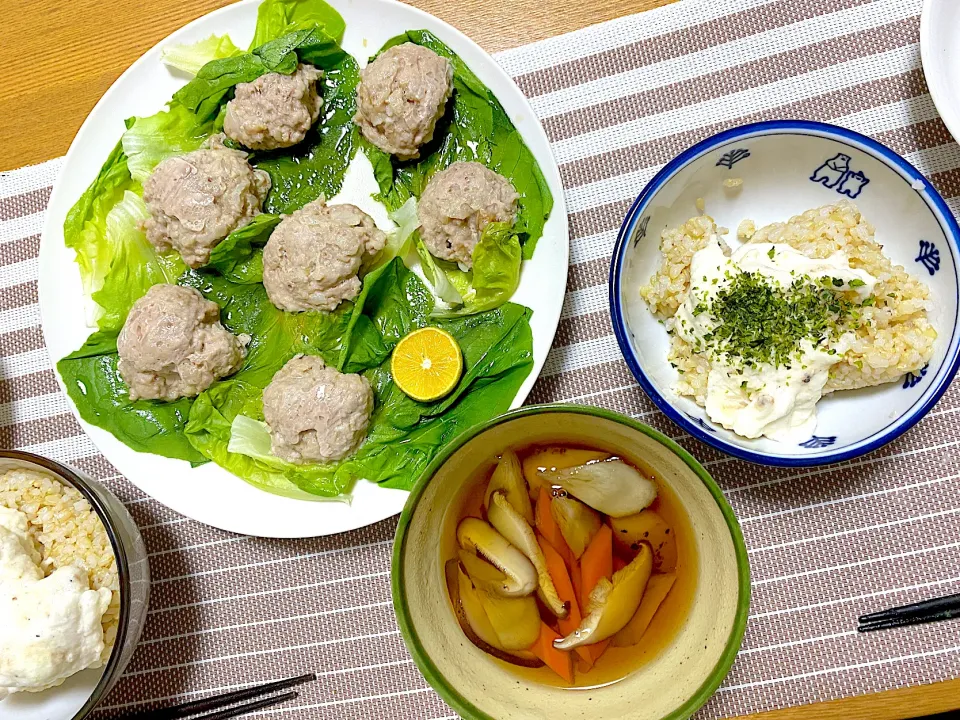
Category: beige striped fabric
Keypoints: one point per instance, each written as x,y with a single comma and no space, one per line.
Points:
826,544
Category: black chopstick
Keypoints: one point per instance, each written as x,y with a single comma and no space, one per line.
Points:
943,608
250,707
907,620
219,701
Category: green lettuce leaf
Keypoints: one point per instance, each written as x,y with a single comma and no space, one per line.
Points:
400,242
190,58
93,383
446,280
149,141
476,127
85,227
239,256
135,265
495,274
279,17
392,303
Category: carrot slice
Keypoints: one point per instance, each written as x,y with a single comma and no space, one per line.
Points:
559,661
549,529
561,581
595,563
577,579
596,650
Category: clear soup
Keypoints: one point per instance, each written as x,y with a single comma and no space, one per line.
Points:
646,562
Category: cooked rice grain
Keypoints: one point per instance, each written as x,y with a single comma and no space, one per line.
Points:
68,532
895,336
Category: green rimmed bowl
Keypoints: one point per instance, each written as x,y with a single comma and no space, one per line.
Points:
673,684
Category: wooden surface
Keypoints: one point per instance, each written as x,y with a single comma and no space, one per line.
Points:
84,45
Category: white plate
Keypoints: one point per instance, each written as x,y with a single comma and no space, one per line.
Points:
940,54
209,493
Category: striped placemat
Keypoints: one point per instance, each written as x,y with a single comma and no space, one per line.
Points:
618,100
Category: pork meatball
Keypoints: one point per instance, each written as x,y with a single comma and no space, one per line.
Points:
312,258
401,96
458,203
196,200
316,413
173,345
275,110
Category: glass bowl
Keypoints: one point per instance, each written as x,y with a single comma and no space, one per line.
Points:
79,695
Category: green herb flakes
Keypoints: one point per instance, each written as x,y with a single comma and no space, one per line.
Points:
760,322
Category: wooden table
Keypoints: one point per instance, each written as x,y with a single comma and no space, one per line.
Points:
58,58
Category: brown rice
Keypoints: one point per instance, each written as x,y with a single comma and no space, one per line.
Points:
67,531
895,336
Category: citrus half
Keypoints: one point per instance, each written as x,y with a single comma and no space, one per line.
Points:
427,364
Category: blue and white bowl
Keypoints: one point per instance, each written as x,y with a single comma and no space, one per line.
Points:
788,167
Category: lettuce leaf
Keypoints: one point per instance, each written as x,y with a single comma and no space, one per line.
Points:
149,141
476,127
443,279
495,274
85,227
404,434
279,17
190,58
400,241
238,257
135,265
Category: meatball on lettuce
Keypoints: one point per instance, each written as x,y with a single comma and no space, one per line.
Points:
173,345
275,110
196,200
313,257
471,244
315,413
171,350
401,96
458,204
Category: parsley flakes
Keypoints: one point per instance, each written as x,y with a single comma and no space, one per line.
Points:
760,322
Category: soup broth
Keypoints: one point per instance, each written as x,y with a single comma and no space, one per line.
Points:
662,526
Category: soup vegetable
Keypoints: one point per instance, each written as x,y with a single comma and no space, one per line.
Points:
571,565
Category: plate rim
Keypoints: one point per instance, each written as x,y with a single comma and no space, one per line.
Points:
808,127
951,118
546,158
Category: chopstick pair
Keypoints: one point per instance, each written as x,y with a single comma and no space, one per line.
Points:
943,608
219,703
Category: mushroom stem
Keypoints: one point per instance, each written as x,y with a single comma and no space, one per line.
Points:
476,536
514,528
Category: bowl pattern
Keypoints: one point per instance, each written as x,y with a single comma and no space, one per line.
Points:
787,167
671,685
